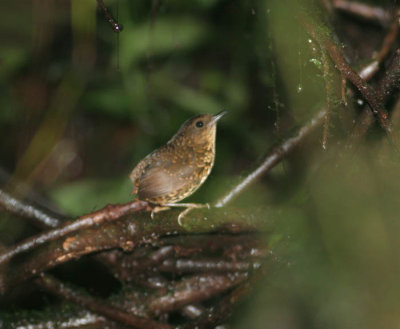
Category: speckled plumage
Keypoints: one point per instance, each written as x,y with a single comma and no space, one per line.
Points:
176,170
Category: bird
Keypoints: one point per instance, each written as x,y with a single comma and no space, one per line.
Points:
177,169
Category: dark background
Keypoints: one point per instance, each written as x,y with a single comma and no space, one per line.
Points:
80,105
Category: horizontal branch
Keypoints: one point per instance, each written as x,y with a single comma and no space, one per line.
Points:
205,265
194,289
108,213
362,10
128,233
187,253
218,313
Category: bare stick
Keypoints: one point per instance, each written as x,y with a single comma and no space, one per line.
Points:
100,307
271,159
391,78
58,319
20,208
328,83
110,212
134,230
362,10
389,81
205,266
195,289
188,253
368,71
343,90
224,308
364,88
117,28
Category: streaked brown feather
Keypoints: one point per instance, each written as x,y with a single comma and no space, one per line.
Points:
158,182
177,169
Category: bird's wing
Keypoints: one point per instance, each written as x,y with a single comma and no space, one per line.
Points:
135,175
164,178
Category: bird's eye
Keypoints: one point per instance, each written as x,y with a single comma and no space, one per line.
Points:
199,124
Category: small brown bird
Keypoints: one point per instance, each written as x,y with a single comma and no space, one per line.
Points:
177,169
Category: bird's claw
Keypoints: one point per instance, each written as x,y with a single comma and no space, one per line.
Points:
179,219
183,214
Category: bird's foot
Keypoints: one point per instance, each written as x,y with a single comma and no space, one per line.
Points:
188,206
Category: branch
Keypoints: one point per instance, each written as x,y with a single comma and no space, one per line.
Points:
205,266
362,10
370,95
108,213
126,234
65,318
391,79
272,159
371,69
52,285
187,253
24,209
58,288
117,28
363,87
225,306
194,289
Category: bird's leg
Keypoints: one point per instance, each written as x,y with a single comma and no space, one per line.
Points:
188,206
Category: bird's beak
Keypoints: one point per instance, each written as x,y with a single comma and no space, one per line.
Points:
216,117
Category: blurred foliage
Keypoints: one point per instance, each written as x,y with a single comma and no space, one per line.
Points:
80,106
114,98
337,265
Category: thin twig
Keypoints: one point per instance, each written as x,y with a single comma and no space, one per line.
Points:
364,88
219,313
205,266
396,112
368,71
21,193
58,288
272,159
48,283
117,28
194,289
126,234
188,253
110,212
390,37
327,80
59,319
343,90
389,81
21,208
362,10
391,78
